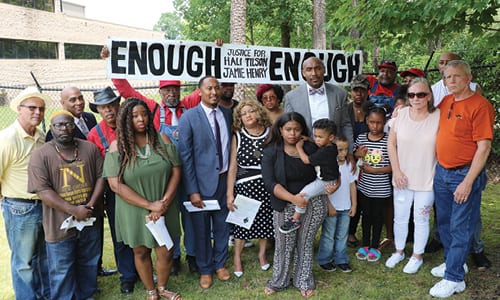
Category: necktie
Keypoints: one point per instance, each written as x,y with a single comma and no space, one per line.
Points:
83,127
320,91
218,143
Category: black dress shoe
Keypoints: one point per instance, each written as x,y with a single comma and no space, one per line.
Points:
193,267
104,272
127,287
176,267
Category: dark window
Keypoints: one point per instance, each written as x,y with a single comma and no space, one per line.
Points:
80,51
23,49
47,5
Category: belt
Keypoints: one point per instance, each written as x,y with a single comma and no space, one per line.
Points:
23,200
459,167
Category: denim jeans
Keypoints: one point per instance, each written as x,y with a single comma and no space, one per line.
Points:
73,265
28,260
456,222
333,240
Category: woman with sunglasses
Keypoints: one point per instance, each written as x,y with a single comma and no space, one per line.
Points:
413,181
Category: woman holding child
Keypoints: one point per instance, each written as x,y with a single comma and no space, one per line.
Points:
251,128
284,176
413,181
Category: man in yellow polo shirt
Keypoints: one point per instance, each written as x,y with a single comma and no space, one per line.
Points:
22,211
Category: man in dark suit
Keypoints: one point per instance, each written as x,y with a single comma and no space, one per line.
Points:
317,100
204,142
72,100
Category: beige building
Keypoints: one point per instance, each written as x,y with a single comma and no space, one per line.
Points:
53,39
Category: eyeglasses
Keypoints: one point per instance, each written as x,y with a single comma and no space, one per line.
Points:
67,125
244,113
418,95
33,108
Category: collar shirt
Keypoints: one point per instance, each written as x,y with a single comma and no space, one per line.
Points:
318,103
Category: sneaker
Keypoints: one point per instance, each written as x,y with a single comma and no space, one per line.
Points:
329,267
346,268
481,261
446,288
230,243
395,259
439,270
248,244
413,265
433,246
289,226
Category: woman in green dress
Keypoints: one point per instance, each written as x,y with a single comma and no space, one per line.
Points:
143,169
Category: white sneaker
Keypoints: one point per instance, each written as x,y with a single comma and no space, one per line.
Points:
439,270
446,288
230,243
248,244
395,259
413,265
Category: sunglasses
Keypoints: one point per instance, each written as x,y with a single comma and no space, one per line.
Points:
33,108
418,95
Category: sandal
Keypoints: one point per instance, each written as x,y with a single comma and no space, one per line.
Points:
269,291
164,293
362,253
152,295
374,255
307,293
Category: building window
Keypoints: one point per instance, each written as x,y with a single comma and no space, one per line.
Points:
47,5
23,49
80,51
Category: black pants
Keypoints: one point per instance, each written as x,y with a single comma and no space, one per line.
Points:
373,218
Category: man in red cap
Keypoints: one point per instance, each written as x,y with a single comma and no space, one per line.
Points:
384,87
411,73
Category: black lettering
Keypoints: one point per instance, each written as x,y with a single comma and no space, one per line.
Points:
213,64
157,70
136,57
176,71
354,65
194,69
338,68
328,67
291,66
115,57
274,65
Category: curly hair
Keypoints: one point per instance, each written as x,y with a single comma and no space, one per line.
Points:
262,117
125,135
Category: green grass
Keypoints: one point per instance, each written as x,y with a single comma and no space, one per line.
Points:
367,281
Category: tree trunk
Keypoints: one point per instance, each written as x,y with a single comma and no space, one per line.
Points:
238,25
319,32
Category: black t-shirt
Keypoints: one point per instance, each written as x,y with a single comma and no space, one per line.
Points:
326,159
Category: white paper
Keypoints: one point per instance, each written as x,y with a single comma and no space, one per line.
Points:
71,222
245,212
160,232
209,205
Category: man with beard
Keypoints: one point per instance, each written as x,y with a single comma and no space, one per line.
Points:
384,88
66,174
106,103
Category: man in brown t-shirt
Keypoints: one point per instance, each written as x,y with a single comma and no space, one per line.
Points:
66,174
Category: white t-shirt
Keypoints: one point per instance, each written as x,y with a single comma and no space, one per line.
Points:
416,148
439,91
341,199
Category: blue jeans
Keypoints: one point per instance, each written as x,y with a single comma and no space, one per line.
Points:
333,240
28,260
456,222
73,265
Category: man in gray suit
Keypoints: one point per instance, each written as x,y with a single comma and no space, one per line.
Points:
317,100
204,140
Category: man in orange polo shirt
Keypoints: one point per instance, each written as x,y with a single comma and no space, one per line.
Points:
463,145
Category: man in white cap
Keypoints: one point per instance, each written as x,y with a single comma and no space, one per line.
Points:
22,211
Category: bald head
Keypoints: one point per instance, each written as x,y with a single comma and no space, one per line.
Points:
313,71
72,101
445,58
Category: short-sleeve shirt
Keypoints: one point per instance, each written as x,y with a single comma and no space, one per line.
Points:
74,182
326,159
470,120
341,199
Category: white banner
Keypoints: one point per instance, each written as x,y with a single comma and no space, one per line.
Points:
190,61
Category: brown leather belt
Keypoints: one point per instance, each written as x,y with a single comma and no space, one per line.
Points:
459,167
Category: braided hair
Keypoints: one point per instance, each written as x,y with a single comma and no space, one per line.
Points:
125,135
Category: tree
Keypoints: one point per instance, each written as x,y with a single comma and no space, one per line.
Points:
171,24
319,33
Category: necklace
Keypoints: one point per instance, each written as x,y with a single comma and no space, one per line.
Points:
257,144
61,155
147,150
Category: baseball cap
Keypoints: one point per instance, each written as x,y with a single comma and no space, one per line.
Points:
389,64
412,71
164,83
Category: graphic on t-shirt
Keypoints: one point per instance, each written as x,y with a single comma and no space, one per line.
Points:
374,157
75,189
